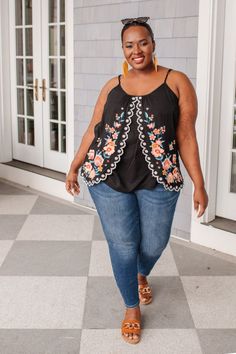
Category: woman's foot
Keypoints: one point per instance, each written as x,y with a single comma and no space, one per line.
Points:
131,325
145,292
142,279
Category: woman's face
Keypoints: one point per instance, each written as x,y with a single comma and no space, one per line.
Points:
138,47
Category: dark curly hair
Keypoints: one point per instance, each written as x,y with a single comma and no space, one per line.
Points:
146,25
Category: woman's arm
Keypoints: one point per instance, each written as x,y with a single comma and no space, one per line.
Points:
187,140
72,176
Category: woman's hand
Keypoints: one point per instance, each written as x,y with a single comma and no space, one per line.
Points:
72,185
200,199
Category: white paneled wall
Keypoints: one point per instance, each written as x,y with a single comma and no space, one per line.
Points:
99,56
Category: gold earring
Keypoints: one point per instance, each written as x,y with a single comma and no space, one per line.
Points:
155,61
125,68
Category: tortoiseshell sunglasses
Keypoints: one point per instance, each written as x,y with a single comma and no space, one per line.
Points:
126,21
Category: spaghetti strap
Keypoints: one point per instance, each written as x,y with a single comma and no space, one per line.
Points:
167,74
119,78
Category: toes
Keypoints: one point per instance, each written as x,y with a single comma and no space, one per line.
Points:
131,336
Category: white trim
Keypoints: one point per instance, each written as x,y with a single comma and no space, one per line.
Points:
70,138
183,240
209,72
226,199
214,238
12,61
38,182
5,96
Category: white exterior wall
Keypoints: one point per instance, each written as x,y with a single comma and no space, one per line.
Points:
98,56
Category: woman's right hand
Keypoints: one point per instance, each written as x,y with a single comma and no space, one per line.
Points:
72,184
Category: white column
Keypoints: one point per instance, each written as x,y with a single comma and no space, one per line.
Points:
5,92
209,75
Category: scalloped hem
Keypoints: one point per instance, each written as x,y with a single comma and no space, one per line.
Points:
166,186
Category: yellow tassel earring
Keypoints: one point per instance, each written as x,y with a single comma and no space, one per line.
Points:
155,61
125,68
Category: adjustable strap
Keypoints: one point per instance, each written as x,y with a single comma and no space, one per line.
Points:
167,74
119,78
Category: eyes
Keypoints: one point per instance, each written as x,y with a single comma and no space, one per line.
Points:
142,44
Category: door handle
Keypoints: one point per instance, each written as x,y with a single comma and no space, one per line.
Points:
35,86
43,87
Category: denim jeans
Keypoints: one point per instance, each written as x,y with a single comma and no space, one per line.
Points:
137,228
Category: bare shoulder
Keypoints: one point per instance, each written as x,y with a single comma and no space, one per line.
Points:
109,85
187,95
181,81
106,88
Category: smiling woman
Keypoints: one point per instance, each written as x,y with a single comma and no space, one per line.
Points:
128,45
129,159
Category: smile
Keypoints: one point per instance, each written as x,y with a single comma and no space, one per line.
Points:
138,60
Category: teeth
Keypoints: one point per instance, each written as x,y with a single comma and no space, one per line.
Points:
138,59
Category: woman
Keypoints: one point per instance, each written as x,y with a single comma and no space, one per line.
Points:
129,159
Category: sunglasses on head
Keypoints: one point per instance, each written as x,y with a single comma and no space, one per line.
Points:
126,21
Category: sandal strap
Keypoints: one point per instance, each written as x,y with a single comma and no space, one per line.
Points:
145,290
131,326
131,330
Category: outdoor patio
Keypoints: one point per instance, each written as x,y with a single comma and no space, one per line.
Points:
58,294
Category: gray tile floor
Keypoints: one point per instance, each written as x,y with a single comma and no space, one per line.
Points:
58,294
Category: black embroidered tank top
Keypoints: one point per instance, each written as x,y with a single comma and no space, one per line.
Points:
132,171
135,142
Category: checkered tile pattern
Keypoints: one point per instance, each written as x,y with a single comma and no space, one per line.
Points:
58,294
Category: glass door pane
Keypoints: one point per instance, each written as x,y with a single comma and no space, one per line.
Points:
57,75
24,72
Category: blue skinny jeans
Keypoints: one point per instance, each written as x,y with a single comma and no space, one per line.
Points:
137,228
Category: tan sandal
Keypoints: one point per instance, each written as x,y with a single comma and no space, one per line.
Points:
131,326
145,294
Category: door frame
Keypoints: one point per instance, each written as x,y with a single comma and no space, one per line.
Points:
54,159
69,70
5,93
226,199
208,88
7,89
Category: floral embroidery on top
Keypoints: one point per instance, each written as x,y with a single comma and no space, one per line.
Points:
168,160
160,154
96,159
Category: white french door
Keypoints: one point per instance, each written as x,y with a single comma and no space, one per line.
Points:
39,109
226,189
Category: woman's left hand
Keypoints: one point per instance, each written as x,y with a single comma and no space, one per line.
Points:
200,200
